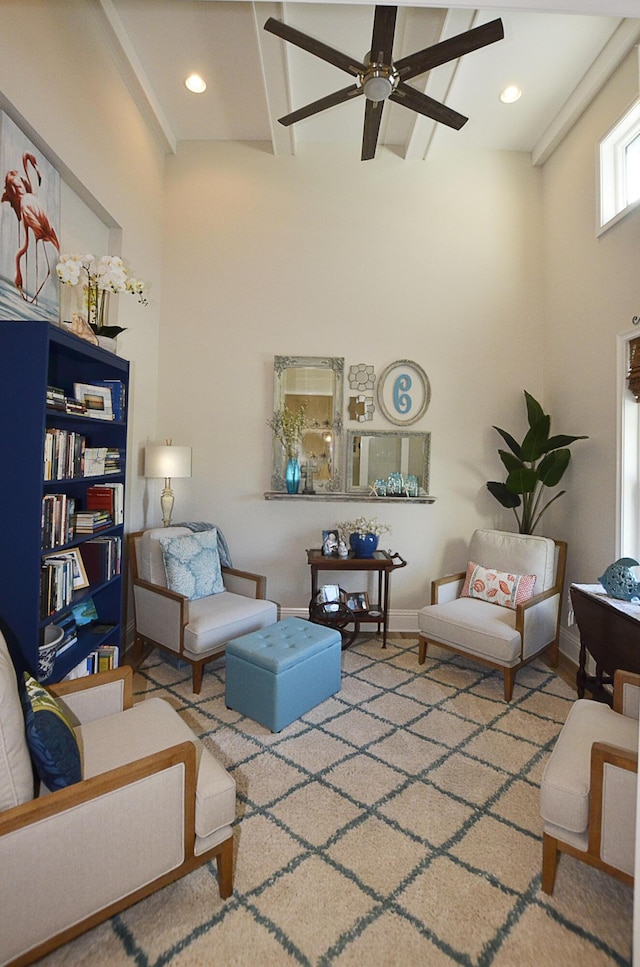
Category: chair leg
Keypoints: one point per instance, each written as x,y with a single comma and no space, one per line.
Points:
224,864
198,669
422,650
509,679
549,862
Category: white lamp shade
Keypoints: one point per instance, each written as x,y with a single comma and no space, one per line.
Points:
167,461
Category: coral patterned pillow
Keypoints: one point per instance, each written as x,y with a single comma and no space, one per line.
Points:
497,587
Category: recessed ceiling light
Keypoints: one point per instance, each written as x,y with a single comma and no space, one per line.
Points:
195,84
510,94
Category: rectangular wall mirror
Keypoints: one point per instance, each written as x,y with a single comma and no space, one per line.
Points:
374,454
317,383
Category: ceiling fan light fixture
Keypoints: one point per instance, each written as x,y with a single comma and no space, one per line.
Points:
379,82
196,84
510,94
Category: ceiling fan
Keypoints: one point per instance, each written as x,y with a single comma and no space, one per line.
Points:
379,78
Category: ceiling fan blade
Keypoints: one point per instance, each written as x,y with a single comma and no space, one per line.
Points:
338,97
372,118
285,32
464,43
423,104
384,26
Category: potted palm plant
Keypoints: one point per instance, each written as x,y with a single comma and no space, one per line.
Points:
534,465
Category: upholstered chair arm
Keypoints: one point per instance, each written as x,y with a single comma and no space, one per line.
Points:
161,614
612,810
245,582
537,620
96,696
447,588
626,693
93,844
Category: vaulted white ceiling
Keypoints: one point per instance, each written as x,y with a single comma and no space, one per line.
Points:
559,59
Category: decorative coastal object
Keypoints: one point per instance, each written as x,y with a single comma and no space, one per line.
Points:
292,475
621,579
288,427
29,220
361,377
97,279
533,465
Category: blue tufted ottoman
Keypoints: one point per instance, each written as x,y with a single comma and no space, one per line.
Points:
277,674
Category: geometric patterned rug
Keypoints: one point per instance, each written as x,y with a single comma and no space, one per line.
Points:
397,823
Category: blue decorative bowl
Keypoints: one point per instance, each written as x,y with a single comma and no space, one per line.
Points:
363,545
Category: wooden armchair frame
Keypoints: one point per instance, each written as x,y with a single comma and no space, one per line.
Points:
602,754
40,816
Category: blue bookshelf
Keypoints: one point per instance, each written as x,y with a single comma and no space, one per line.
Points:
34,355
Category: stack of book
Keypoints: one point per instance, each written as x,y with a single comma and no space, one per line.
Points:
102,558
90,521
56,524
102,659
56,400
63,451
107,496
56,583
113,461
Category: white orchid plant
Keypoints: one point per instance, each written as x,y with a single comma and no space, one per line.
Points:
362,526
99,277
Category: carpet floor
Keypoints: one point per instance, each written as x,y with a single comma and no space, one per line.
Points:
397,823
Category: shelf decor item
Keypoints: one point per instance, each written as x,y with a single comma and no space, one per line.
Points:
99,278
363,535
288,428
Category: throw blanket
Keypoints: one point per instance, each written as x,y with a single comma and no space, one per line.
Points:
202,525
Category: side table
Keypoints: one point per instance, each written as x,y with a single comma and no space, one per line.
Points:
382,562
610,631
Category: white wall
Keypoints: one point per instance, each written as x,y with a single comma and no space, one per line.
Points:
57,79
592,293
321,254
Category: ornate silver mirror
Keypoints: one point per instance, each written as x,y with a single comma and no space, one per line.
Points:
316,383
378,454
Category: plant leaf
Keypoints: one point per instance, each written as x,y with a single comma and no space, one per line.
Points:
523,481
552,467
534,443
548,504
510,461
562,440
502,495
534,411
513,445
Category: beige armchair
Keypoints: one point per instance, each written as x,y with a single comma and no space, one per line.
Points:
588,790
195,631
152,805
502,637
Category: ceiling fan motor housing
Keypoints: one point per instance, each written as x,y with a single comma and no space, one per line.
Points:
379,81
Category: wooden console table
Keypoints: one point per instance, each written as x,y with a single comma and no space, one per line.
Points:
610,632
382,562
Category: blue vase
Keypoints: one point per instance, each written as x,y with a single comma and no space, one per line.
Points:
363,546
292,475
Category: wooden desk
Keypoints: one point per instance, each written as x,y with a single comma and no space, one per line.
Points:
381,562
610,632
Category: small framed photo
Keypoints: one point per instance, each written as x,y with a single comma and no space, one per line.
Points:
80,579
97,400
330,595
358,601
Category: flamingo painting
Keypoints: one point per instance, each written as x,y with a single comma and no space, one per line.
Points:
31,193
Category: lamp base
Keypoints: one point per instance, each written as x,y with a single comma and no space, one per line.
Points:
166,502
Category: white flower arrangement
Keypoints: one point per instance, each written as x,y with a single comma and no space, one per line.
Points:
362,526
99,277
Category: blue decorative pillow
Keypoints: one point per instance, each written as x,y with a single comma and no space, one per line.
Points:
50,736
192,564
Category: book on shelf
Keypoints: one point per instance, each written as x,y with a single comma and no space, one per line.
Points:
102,558
96,398
107,496
56,583
63,450
93,461
90,521
57,400
101,659
56,520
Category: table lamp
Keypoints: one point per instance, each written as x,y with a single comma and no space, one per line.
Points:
167,461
